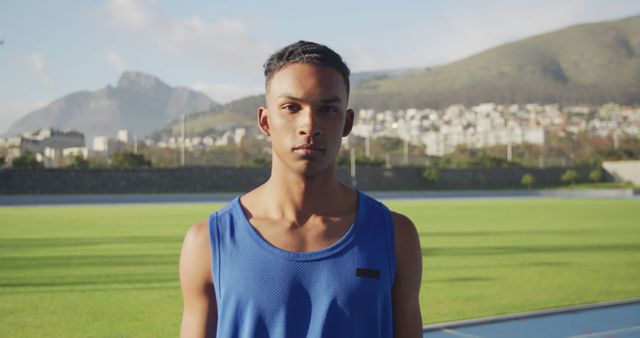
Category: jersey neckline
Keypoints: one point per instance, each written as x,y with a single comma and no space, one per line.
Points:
332,249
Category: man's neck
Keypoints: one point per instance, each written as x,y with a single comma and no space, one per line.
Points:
297,198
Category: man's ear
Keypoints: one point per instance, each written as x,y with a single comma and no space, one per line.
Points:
263,120
348,123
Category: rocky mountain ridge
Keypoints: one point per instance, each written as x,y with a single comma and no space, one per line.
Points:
139,102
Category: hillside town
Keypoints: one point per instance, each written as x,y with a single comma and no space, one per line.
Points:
438,132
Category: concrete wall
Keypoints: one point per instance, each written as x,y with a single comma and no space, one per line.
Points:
214,179
410,178
625,171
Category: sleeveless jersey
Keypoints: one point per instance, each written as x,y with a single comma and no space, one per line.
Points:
343,290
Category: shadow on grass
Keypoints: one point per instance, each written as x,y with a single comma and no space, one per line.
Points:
459,280
491,266
542,249
26,290
87,261
79,281
429,234
19,243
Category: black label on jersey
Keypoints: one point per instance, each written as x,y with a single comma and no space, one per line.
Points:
368,273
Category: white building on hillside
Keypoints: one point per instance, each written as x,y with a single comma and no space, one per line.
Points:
48,144
124,136
447,139
105,146
40,139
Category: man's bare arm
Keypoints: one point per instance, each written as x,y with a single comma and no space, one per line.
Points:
200,313
407,320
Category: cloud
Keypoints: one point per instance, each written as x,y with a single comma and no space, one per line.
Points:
224,45
135,19
37,64
463,29
117,62
359,59
223,92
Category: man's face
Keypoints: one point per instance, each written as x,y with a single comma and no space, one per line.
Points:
306,117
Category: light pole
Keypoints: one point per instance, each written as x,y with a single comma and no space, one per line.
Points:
509,150
352,155
403,129
367,143
406,151
184,132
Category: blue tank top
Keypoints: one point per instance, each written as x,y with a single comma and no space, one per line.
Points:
343,290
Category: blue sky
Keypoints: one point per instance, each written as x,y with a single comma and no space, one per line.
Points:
53,48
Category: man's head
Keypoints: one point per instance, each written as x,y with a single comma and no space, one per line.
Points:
306,113
309,53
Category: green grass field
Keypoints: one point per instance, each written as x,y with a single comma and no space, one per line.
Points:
112,271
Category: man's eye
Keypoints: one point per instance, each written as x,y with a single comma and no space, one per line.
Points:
329,109
291,107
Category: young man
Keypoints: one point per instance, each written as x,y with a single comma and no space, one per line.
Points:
303,255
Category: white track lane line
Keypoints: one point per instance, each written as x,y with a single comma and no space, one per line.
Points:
607,333
460,334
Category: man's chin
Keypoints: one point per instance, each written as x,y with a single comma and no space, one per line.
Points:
312,169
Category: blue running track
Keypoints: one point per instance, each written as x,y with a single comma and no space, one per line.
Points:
610,320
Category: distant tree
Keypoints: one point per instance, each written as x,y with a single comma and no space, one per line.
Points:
369,162
595,175
389,144
623,153
431,174
257,162
344,159
129,160
27,160
570,176
1,161
79,162
528,180
485,160
464,157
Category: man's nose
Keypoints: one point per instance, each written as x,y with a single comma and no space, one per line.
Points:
309,124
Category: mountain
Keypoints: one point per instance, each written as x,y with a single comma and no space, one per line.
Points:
139,102
240,112
589,63
360,77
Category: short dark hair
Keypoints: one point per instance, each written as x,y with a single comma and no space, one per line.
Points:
306,52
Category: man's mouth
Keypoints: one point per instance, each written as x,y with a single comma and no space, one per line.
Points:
308,149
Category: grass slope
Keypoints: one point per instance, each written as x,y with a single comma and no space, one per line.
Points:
112,271
589,63
241,112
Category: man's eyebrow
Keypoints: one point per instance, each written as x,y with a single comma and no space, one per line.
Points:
288,97
332,99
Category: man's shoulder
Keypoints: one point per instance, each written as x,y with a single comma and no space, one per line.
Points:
402,222
407,238
405,230
197,232
195,262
